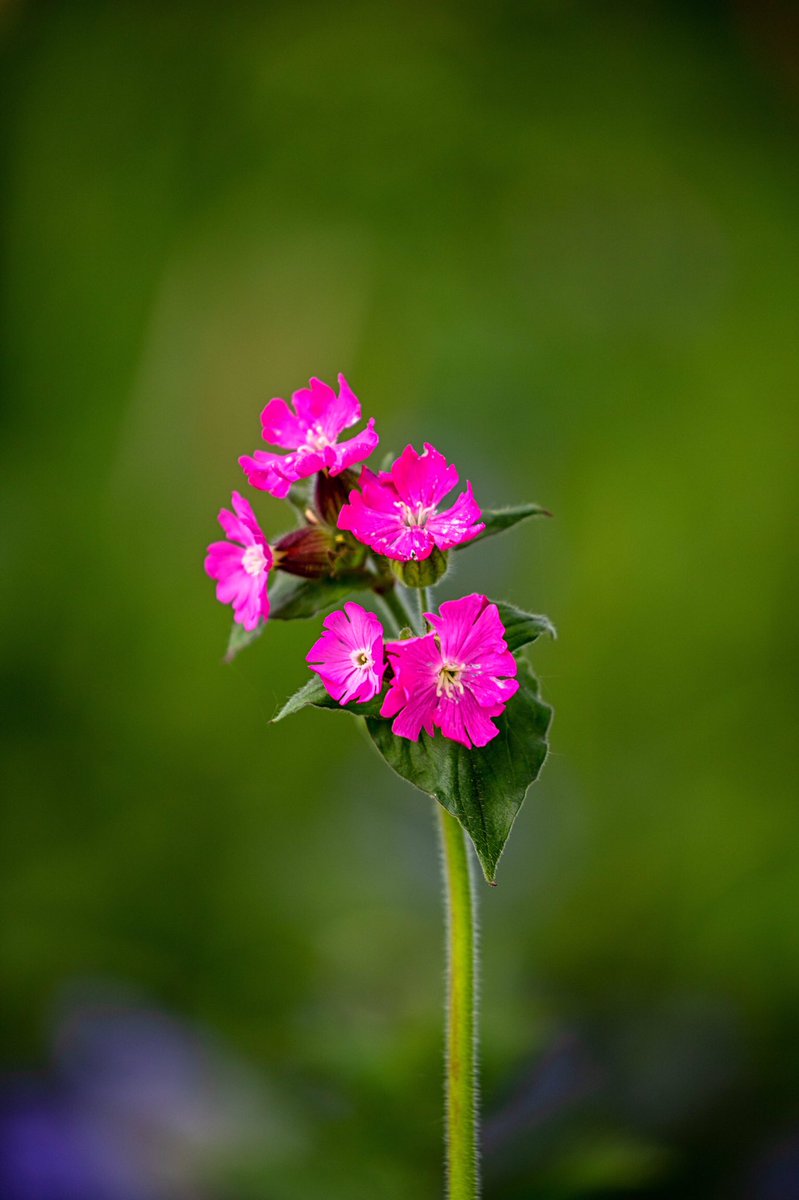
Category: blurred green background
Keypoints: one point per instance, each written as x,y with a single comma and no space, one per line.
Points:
560,241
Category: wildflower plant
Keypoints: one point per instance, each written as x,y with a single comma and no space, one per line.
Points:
447,696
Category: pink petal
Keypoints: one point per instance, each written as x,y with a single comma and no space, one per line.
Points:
275,473
491,690
233,587
384,529
243,510
458,524
224,563
222,558
329,652
281,427
405,545
395,699
455,623
412,697
486,638
415,658
423,479
349,454
263,471
235,528
252,604
378,492
343,627
346,410
337,683
365,625
465,721
346,633
312,402
417,714
319,405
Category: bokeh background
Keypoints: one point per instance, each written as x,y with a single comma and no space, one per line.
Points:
560,241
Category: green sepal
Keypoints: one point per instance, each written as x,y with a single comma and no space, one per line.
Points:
497,520
483,788
331,493
420,573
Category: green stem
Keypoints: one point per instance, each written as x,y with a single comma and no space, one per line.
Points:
424,605
394,604
300,500
461,1077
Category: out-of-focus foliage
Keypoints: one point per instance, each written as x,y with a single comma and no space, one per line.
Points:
560,242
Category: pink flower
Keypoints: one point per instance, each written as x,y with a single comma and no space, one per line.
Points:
310,433
454,679
242,564
348,657
396,512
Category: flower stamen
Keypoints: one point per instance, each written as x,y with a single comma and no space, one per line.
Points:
449,681
415,516
317,439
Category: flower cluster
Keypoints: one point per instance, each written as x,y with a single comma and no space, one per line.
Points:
367,532
455,678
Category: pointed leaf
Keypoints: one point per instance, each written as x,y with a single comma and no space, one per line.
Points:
497,520
311,693
484,788
296,599
314,694
522,628
240,638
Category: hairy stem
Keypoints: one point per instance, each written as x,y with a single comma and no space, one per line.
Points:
391,599
424,605
461,1074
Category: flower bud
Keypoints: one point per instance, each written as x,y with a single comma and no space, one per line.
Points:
309,552
332,493
421,573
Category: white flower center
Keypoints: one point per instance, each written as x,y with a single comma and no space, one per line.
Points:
317,439
254,560
362,659
416,516
449,682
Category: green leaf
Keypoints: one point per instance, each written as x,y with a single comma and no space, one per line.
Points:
497,520
313,694
522,628
296,599
240,638
484,788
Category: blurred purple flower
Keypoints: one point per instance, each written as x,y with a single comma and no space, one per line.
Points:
136,1107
